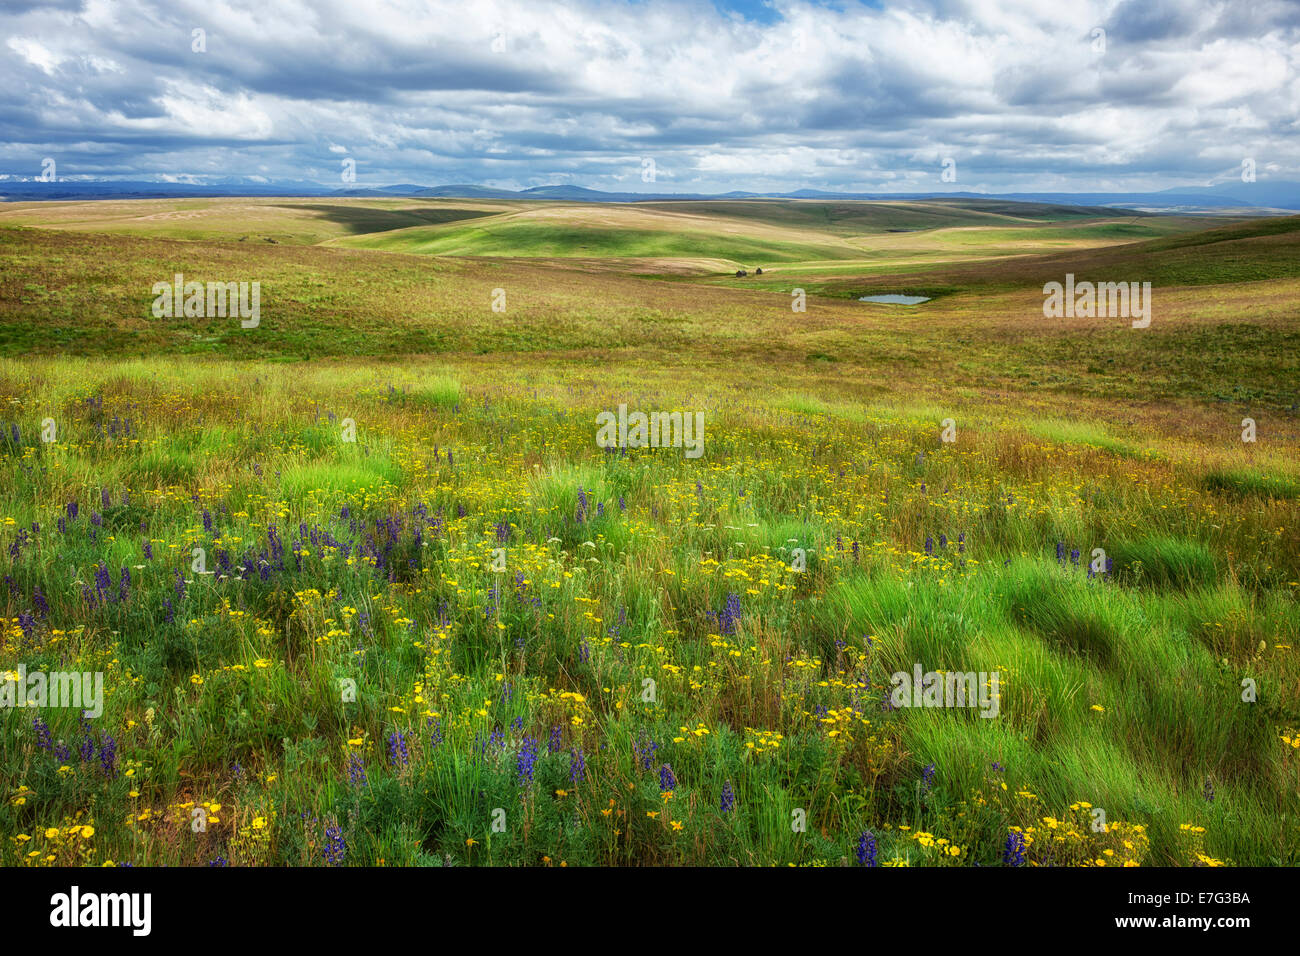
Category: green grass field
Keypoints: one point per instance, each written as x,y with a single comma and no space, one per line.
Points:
364,589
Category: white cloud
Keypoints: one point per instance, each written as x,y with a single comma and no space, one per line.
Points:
35,54
820,96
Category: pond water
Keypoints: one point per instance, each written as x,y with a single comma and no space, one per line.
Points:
895,299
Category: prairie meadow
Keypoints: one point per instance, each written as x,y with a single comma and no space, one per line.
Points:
363,587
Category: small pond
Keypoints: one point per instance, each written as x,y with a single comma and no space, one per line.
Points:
895,299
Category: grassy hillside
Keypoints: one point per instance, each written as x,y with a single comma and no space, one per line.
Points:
84,294
758,233
361,577
1237,253
512,237
295,221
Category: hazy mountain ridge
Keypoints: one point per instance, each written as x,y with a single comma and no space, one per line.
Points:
1262,195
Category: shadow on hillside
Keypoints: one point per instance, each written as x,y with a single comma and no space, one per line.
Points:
359,220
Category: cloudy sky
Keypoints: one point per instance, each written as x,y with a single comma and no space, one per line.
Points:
758,95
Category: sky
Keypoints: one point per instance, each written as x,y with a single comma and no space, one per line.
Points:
655,95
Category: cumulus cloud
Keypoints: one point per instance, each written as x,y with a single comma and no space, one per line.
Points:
779,95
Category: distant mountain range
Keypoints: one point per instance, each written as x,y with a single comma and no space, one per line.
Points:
1261,195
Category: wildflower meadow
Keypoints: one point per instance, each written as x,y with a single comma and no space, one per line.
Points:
360,615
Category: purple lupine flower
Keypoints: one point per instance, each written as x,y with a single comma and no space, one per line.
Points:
397,753
1013,853
108,755
577,765
728,797
616,628
554,745
730,615
645,750
526,762
356,771
866,851
42,734
38,598
103,581
336,847
666,778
